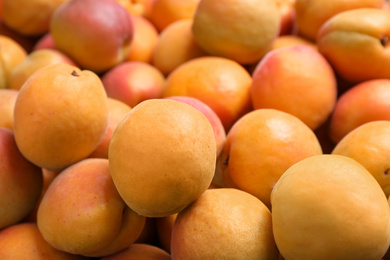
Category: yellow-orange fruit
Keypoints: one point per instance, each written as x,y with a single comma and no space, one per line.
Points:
369,145
330,207
60,116
260,147
162,156
224,224
242,30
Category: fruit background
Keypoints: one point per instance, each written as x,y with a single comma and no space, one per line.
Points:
194,129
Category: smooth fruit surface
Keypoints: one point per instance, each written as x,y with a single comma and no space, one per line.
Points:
160,174
261,146
144,40
11,55
139,251
7,105
166,12
369,145
78,25
356,42
31,20
221,224
34,61
361,103
311,15
330,207
221,83
133,82
82,212
242,30
20,182
60,116
176,45
297,80
117,110
219,130
24,240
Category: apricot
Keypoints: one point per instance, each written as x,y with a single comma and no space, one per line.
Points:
297,80
359,104
29,17
330,207
20,182
145,37
117,110
166,12
311,15
48,177
221,83
355,43
78,25
241,30
140,252
34,61
224,224
175,45
162,156
82,212
288,24
261,146
368,144
219,130
291,40
7,105
139,7
11,55
24,241
60,116
133,82
44,42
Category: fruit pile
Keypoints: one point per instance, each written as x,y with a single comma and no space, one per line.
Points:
194,129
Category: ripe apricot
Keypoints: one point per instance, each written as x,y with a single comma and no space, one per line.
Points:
241,30
368,144
330,207
224,224
261,146
297,80
221,83
162,156
60,116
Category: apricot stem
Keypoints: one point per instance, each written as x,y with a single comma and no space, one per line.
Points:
226,162
384,41
74,73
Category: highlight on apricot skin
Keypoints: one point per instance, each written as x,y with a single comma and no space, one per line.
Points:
278,138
